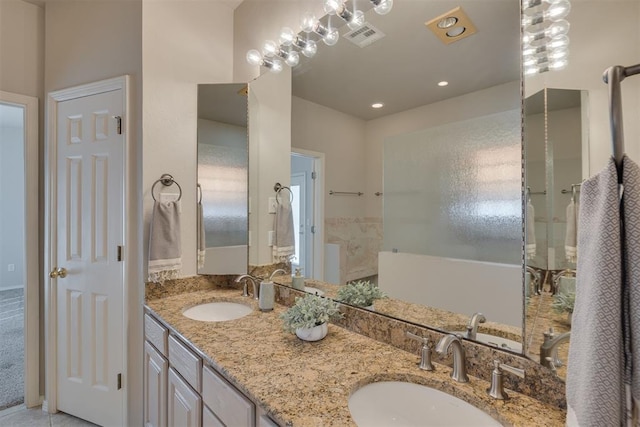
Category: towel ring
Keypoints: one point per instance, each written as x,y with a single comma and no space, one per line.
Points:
278,188
166,180
199,191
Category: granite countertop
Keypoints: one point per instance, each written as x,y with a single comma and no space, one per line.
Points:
309,383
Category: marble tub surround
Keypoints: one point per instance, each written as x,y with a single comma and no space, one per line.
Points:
308,384
539,382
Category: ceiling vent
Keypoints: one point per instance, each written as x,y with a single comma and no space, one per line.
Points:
364,36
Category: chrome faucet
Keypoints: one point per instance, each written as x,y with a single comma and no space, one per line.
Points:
549,349
537,280
425,352
247,277
281,271
568,272
472,326
459,372
497,390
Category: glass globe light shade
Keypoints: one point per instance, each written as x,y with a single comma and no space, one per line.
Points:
558,64
558,42
332,7
383,7
292,59
275,66
558,10
356,21
310,49
308,23
270,49
332,37
254,57
560,53
287,36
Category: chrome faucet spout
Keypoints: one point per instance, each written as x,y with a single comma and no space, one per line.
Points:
247,277
549,351
472,326
537,279
281,271
459,372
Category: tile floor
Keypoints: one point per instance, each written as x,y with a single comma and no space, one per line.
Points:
20,416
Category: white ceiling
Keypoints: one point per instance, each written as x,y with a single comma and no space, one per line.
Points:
402,69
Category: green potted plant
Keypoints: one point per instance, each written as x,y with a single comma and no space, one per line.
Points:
563,302
360,293
308,317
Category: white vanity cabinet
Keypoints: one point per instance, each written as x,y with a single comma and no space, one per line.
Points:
180,391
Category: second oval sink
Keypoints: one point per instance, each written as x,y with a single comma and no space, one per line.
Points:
217,311
397,403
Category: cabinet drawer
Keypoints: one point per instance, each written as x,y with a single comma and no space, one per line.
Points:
186,362
229,405
156,334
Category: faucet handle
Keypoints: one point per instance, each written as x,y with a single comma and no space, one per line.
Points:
497,389
425,352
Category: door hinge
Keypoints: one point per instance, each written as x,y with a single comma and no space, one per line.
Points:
120,253
314,175
119,381
313,229
119,124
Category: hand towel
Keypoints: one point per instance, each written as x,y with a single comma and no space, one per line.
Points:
165,254
284,242
531,231
595,386
571,235
202,249
631,275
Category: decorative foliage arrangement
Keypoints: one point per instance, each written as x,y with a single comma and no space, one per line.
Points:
361,293
563,302
310,311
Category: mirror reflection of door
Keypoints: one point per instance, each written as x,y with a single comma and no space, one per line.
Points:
302,168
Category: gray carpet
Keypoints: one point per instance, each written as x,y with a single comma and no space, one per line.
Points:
11,348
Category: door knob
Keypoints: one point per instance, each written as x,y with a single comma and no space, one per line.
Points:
58,273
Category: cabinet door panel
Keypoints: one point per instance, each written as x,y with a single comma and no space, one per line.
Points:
185,405
155,387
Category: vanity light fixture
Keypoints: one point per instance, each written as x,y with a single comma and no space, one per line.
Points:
377,105
272,49
545,44
310,24
452,26
255,58
353,19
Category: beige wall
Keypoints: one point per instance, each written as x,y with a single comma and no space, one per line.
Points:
91,41
603,33
184,43
342,138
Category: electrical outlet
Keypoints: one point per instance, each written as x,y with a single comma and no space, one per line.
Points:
11,267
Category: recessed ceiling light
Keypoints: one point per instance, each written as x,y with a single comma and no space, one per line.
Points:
456,31
452,26
377,105
447,22
443,83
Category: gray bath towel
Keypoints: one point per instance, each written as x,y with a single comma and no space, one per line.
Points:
631,263
202,250
284,242
595,386
571,235
165,255
531,231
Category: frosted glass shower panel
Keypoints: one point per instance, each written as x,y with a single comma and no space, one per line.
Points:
455,190
222,173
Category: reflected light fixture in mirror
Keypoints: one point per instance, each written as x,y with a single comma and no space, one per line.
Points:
545,41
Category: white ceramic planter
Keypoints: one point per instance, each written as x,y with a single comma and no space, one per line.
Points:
312,334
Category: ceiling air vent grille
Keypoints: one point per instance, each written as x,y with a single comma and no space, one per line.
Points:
364,36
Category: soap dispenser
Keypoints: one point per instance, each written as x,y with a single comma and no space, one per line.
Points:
267,296
298,281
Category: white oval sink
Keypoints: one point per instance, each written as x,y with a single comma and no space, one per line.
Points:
495,341
217,311
314,291
397,403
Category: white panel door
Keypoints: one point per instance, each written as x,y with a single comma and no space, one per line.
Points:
90,176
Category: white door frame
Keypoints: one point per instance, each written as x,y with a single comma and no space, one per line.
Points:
51,303
318,211
32,264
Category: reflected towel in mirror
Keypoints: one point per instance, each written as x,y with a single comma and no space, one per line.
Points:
165,253
571,237
284,241
531,231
